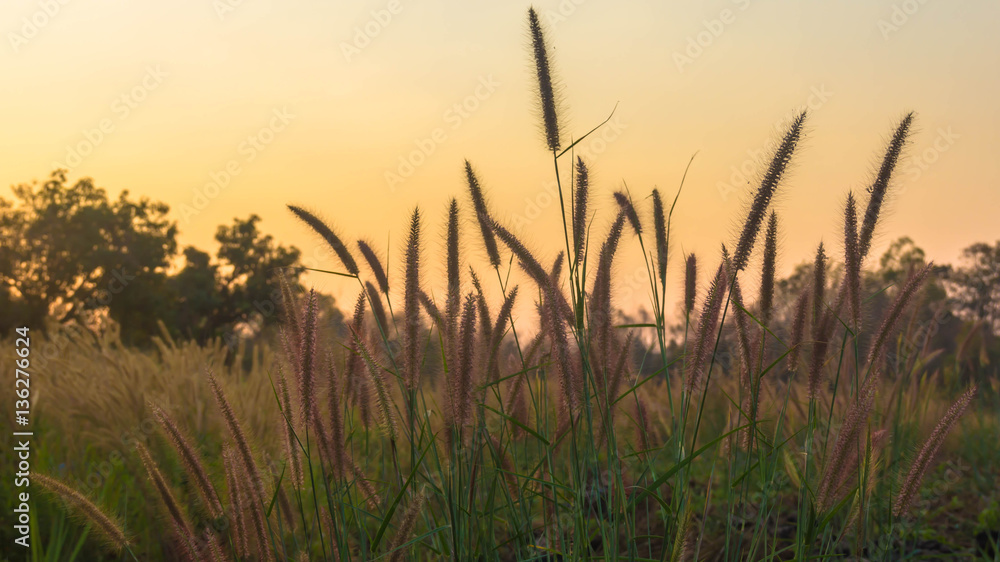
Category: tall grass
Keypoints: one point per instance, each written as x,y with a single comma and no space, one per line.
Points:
449,433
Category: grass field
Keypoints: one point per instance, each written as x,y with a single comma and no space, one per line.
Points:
767,423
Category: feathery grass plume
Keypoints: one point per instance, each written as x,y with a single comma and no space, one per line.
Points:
161,485
259,525
191,460
555,272
378,309
767,270
411,306
239,438
528,261
625,203
482,215
660,229
405,529
546,87
881,184
895,312
454,279
927,453
432,310
707,325
818,289
504,465
337,440
554,323
850,430
600,296
821,343
621,367
742,335
289,307
364,486
781,159
850,465
690,283
382,399
798,329
237,500
184,541
375,264
331,238
496,334
559,298
461,376
307,361
682,540
485,326
213,548
358,387
580,197
107,527
852,261
288,429
746,357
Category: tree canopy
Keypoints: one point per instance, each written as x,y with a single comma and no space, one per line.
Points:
72,254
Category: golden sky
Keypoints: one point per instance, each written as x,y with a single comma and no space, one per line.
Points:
319,103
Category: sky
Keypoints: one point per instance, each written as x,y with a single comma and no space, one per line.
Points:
363,110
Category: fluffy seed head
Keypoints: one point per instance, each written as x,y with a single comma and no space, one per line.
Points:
625,203
411,306
707,325
546,86
880,186
378,309
482,215
580,198
191,459
767,271
798,329
660,228
895,312
108,528
927,453
819,288
852,261
327,233
375,264
776,169
690,283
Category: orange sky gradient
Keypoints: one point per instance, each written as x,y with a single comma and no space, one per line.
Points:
317,103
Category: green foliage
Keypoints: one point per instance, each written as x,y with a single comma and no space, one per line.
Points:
72,254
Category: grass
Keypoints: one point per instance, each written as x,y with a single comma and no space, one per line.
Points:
765,430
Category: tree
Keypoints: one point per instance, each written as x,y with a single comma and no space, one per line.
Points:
70,252
975,286
248,266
